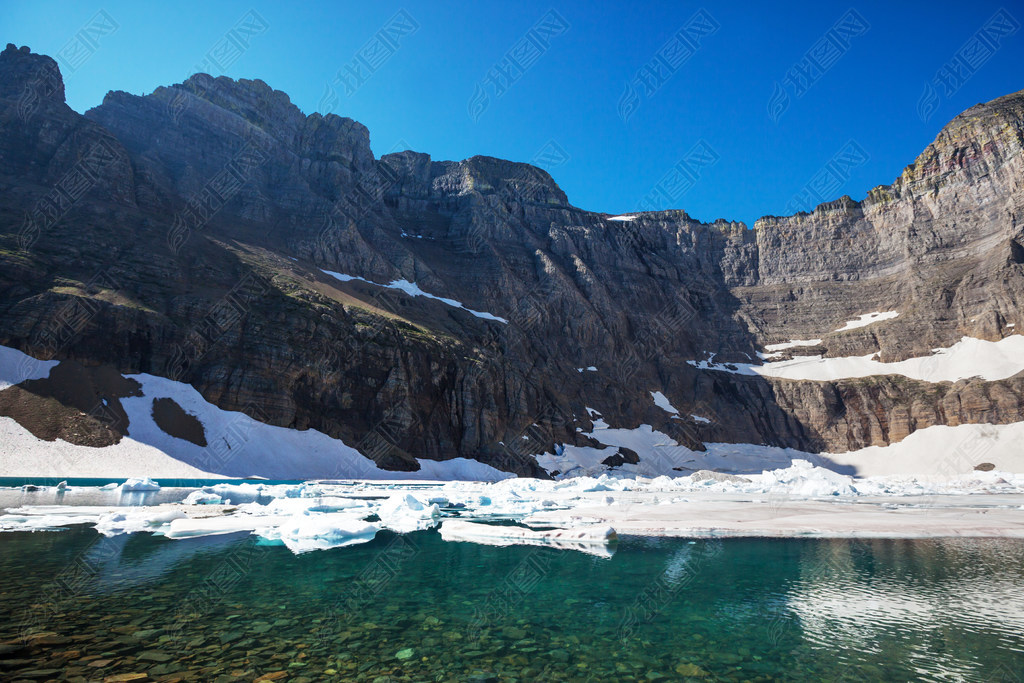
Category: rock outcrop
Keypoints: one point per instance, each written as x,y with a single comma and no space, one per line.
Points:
187,233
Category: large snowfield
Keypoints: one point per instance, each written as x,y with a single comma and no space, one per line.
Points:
967,358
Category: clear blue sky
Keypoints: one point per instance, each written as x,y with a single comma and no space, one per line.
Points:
571,94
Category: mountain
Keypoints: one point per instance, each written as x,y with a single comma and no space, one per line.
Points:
191,234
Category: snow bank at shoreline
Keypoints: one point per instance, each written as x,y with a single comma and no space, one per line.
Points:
936,451
238,446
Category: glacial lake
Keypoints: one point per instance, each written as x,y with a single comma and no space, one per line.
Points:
77,606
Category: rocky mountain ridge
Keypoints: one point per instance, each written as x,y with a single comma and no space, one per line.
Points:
194,227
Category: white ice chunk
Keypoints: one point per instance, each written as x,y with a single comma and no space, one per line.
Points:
140,484
590,539
134,519
47,517
202,497
403,512
305,533
621,218
298,506
223,524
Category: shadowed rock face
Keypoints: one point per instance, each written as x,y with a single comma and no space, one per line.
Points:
173,420
185,234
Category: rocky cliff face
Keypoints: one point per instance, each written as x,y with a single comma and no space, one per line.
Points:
186,234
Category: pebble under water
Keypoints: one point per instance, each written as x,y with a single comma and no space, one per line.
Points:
80,607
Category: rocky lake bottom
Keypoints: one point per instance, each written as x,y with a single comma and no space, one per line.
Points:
78,606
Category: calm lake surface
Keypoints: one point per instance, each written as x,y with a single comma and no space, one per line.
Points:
77,606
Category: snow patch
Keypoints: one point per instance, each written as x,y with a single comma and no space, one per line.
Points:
662,402
937,451
412,289
867,319
239,446
792,343
969,357
17,367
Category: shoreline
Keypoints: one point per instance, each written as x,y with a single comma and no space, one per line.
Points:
327,513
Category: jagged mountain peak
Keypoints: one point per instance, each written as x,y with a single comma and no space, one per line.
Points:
972,144
29,76
317,287
487,174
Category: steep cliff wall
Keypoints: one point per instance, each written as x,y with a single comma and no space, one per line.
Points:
196,247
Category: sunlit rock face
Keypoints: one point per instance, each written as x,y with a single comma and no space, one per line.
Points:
185,234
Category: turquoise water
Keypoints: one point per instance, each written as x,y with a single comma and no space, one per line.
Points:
77,606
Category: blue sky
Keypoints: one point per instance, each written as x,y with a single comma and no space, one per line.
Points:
766,141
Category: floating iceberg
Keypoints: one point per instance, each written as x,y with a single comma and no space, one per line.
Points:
202,497
403,512
321,532
131,520
589,539
140,484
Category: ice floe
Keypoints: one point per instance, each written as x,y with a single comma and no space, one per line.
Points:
131,519
403,512
594,540
51,517
797,498
322,532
